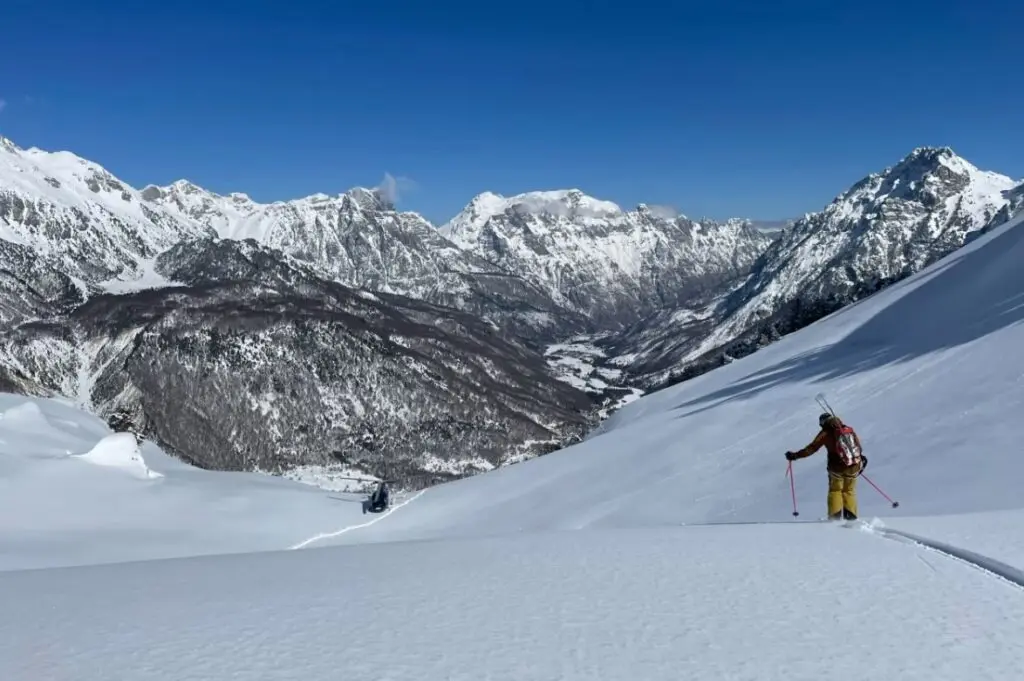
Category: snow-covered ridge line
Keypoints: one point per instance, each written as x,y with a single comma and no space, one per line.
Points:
576,262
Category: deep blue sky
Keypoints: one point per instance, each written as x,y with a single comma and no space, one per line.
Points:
762,109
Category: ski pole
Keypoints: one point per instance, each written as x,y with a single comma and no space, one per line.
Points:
792,486
895,504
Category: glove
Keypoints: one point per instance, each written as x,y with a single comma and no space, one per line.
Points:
790,456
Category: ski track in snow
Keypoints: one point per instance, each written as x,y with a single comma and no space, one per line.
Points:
997,569
329,535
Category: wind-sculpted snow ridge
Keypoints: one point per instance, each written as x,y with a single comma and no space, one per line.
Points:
120,451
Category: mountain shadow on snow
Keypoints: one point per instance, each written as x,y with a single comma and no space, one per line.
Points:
949,307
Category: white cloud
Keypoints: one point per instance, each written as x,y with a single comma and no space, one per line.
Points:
393,188
663,211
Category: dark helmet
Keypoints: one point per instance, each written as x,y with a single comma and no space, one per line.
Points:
825,419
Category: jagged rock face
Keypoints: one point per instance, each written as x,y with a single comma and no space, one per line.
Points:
358,238
29,287
886,227
280,368
613,266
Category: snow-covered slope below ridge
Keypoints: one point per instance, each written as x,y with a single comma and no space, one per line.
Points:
884,228
611,264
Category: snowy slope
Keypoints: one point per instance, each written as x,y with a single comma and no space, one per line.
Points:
578,565
72,492
658,605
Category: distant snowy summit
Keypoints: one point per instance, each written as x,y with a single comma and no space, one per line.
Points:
612,265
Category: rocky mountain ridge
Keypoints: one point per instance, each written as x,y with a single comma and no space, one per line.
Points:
884,228
345,330
614,266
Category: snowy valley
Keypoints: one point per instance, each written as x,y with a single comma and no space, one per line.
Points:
661,547
338,331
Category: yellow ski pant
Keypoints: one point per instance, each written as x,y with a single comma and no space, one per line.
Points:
842,492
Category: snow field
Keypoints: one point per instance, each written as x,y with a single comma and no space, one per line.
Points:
746,602
73,493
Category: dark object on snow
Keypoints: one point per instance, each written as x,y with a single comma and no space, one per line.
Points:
379,499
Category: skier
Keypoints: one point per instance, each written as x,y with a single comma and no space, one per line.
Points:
844,463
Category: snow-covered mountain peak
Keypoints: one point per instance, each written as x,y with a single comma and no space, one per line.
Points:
567,203
927,178
727,224
659,212
8,145
187,187
570,206
78,219
612,265
884,228
372,200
